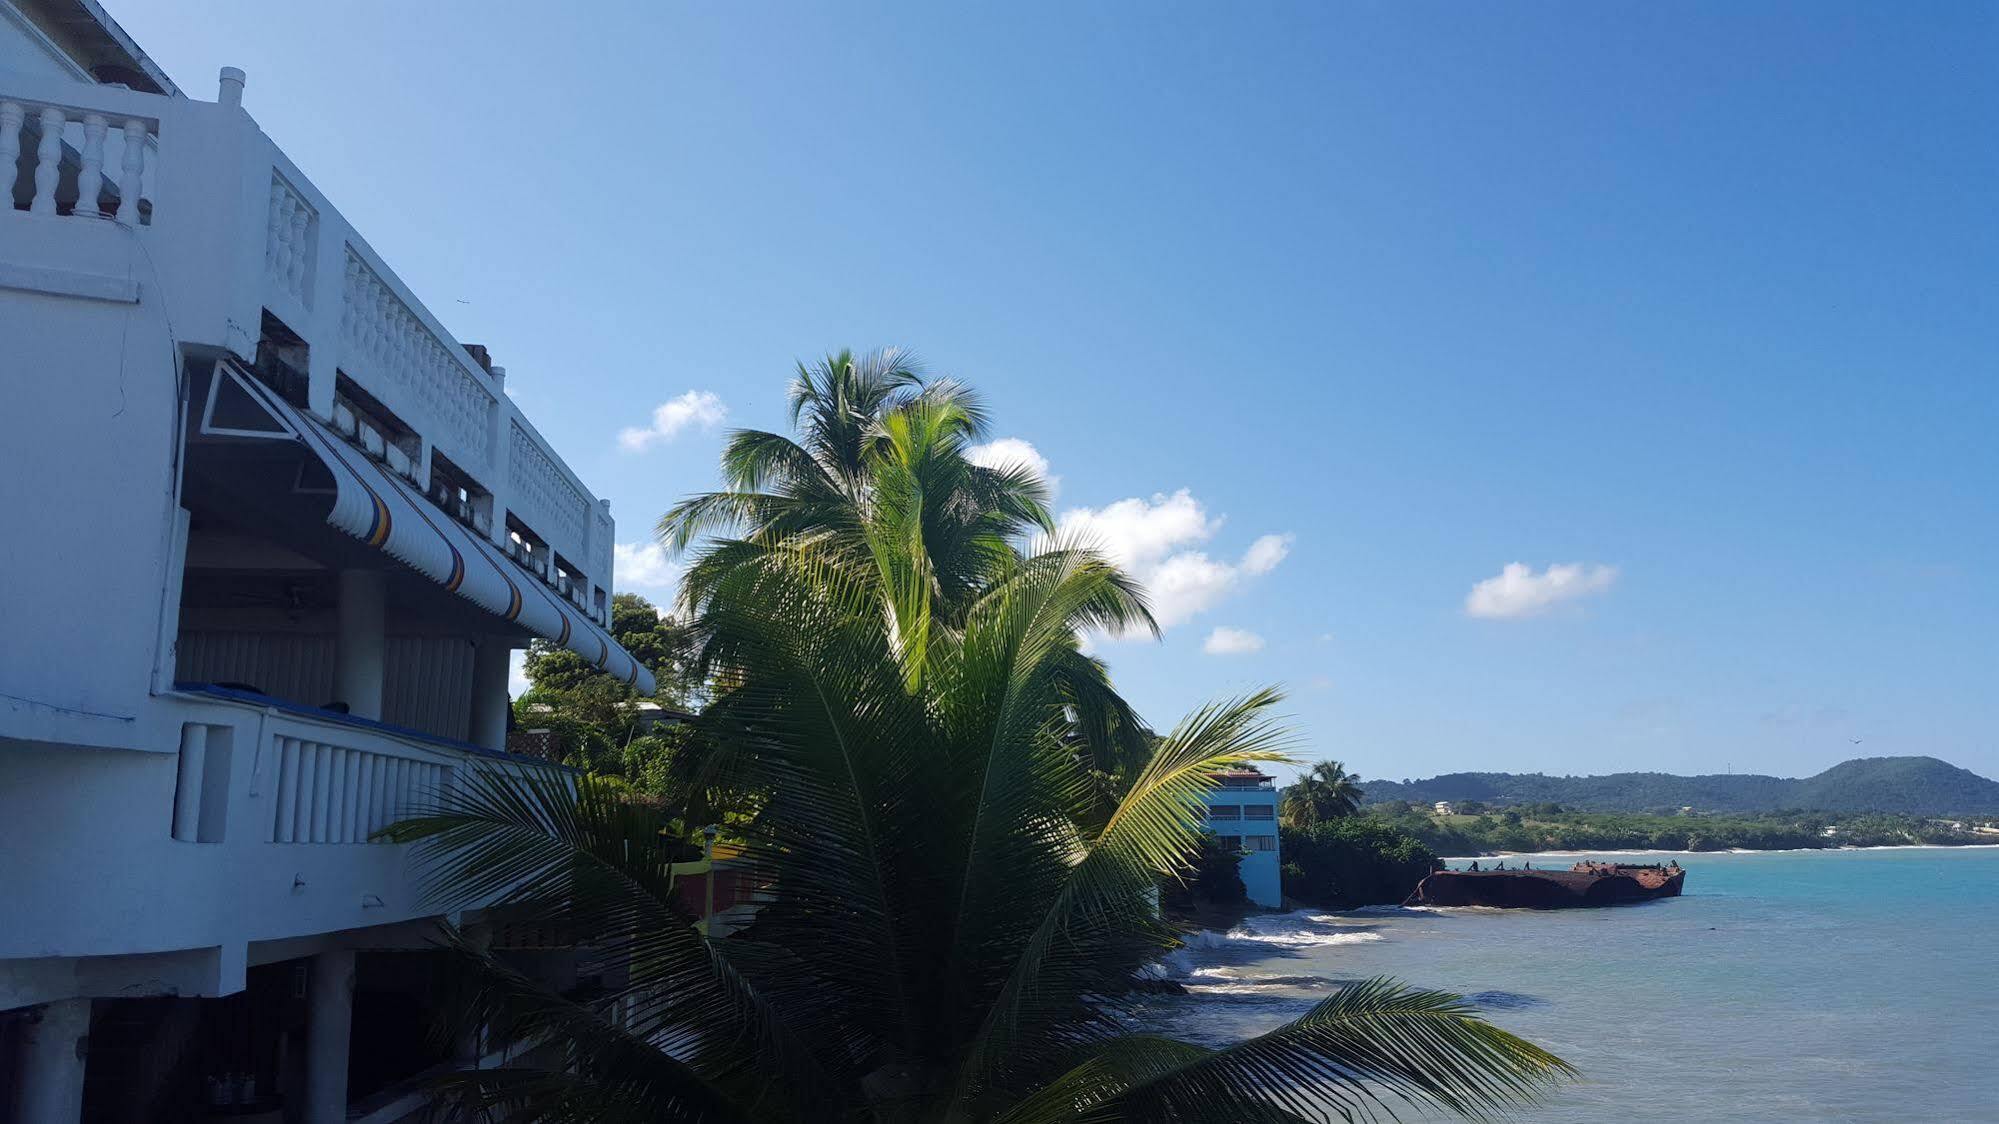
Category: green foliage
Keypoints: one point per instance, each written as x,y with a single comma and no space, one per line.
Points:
592,715
1346,863
877,481
1328,792
1915,786
1531,829
956,898
1215,878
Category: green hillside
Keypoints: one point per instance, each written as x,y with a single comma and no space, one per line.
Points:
1919,786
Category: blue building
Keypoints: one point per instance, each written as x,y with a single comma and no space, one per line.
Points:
1242,809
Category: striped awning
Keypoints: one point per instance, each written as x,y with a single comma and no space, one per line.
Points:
388,513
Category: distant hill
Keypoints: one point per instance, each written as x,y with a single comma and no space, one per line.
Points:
1921,786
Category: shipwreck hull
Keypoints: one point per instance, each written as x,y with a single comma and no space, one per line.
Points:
1586,886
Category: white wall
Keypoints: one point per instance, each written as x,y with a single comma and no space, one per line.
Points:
426,680
89,439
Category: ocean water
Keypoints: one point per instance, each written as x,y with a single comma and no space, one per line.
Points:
1782,986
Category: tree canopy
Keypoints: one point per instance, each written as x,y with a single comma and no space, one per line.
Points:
593,716
956,823
1327,792
1921,786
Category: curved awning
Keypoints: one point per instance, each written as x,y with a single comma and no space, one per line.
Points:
388,513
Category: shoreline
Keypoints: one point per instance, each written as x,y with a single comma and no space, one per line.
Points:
1725,851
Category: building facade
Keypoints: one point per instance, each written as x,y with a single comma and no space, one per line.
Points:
272,536
1242,810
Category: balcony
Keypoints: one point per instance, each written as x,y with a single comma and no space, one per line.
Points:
125,197
259,832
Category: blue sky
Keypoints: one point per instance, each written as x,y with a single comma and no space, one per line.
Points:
1323,316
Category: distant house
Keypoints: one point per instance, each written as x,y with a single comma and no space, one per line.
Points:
1443,807
1242,810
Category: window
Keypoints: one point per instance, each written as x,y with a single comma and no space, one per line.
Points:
1231,842
1258,812
1261,842
1225,811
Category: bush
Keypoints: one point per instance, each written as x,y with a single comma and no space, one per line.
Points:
1352,862
1216,879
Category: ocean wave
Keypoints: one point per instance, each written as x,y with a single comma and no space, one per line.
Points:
1239,987
1236,973
1389,910
1505,1000
1301,930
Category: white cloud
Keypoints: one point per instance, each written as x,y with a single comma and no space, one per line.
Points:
1137,534
1517,591
1265,553
1187,584
637,566
1226,641
1152,540
696,407
1007,452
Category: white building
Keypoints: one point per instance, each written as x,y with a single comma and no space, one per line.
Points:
1442,807
271,535
1242,810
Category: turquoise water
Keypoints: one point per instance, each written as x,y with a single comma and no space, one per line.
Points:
1829,985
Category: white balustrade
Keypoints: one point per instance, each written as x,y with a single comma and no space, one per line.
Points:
289,241
90,180
392,352
55,130
48,163
134,166
11,116
328,793
543,495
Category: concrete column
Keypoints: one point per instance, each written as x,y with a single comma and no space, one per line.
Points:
489,692
51,1074
329,1028
357,654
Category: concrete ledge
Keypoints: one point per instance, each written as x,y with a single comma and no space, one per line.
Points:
68,283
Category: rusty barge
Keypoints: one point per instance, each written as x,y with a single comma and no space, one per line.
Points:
1585,884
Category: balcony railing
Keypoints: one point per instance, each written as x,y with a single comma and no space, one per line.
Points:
86,163
331,793
235,236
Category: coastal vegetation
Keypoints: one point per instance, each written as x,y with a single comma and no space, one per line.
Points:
1550,827
1326,792
955,823
1352,862
1211,885
1912,786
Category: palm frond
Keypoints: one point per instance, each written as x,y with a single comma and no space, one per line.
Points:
1370,1048
1098,928
1107,1070
755,461
585,1067
538,845
821,721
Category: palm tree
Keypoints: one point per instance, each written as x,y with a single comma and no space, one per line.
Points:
874,442
950,932
1328,792
879,481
